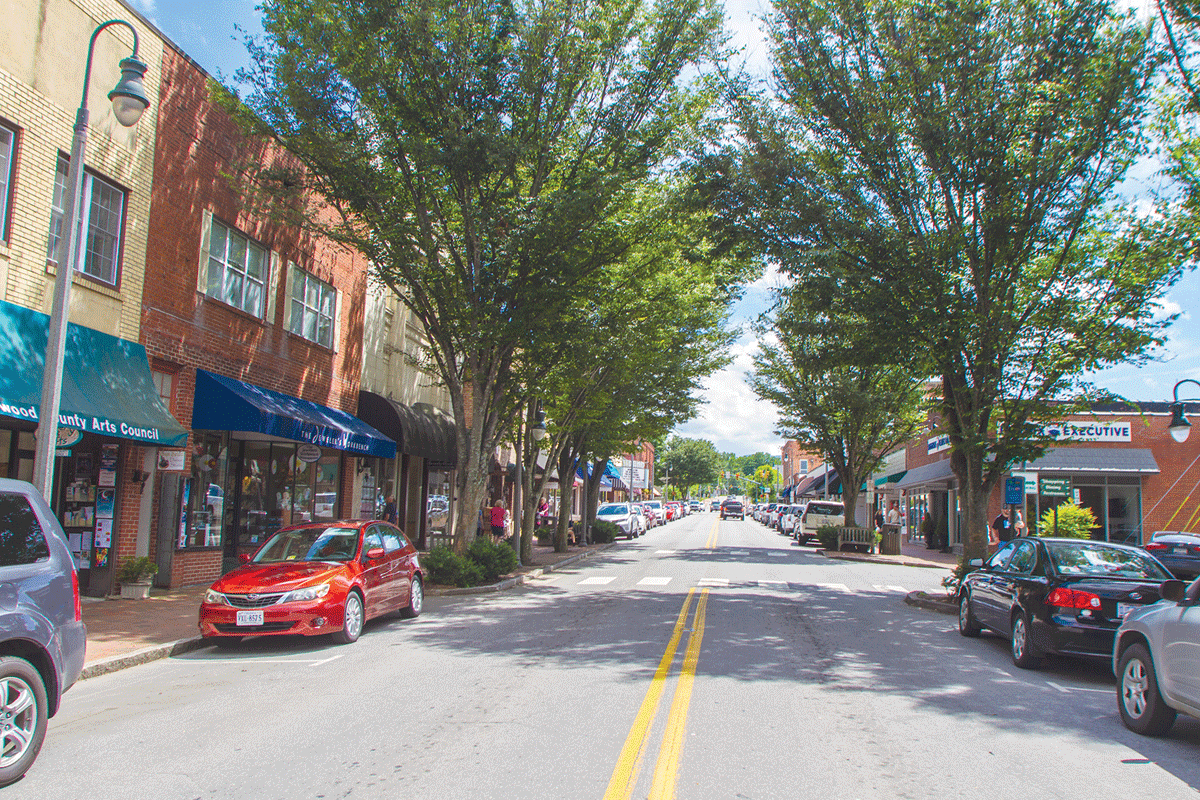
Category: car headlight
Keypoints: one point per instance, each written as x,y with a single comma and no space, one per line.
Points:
215,598
307,593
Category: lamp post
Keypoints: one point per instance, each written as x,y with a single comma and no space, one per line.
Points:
129,101
1180,427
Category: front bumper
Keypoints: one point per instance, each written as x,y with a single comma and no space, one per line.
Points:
315,618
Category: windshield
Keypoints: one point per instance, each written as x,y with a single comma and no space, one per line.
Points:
318,543
613,508
1099,560
827,509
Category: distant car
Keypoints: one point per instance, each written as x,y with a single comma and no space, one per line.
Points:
816,515
42,635
694,506
660,513
1063,596
628,517
1154,657
315,579
732,507
789,518
672,511
714,505
1178,551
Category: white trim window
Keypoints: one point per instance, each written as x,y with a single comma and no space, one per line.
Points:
313,308
8,144
104,207
237,269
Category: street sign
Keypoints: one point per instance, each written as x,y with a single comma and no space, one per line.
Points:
1054,487
1014,491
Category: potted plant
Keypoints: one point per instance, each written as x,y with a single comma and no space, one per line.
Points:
134,576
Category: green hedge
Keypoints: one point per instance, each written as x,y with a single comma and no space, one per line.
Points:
604,532
484,562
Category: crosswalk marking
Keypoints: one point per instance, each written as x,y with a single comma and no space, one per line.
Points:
598,581
723,582
654,581
839,587
889,588
776,554
664,552
773,584
739,552
546,579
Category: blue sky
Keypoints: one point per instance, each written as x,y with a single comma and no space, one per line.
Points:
733,418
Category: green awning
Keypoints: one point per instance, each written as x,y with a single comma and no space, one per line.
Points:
893,478
106,389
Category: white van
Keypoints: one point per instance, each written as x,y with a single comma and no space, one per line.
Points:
818,514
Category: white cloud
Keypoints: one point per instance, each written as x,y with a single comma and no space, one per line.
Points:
148,8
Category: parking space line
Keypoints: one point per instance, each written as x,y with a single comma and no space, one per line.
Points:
773,584
326,660
664,552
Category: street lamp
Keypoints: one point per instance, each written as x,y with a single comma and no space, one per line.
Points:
1180,427
129,101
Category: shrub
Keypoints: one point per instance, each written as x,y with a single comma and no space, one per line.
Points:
827,535
493,559
138,569
1074,522
954,580
448,568
604,532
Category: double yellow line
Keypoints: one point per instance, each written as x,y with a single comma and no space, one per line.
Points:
666,770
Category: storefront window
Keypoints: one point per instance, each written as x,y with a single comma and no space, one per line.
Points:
253,502
325,498
437,506
206,501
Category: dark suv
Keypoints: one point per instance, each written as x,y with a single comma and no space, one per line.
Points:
732,507
42,636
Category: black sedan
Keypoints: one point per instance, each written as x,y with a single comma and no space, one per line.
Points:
1178,552
1065,596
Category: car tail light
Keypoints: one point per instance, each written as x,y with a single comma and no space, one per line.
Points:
75,591
1072,598
1152,546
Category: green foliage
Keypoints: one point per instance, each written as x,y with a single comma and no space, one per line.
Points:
138,569
954,580
448,568
494,558
690,461
1074,522
604,531
827,535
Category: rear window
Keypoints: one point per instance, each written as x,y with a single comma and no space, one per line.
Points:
22,540
826,509
613,508
1099,560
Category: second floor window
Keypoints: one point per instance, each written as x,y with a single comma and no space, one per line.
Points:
237,270
104,219
8,139
313,305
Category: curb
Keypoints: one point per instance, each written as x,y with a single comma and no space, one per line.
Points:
143,656
517,580
915,599
871,560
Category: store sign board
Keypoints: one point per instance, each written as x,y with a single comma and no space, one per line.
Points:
1088,431
172,460
308,453
938,444
1031,481
1014,491
1054,487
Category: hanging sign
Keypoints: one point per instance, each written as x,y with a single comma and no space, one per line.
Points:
1014,491
68,437
172,460
308,453
1054,487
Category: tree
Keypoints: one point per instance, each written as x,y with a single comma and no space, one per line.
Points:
483,156
768,478
689,461
945,173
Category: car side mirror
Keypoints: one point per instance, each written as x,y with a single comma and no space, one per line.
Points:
244,558
374,553
975,562
1172,590
1193,592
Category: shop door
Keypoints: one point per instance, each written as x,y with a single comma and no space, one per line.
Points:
168,526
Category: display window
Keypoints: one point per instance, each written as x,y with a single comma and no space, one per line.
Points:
206,493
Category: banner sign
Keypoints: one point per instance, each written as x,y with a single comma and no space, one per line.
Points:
1088,431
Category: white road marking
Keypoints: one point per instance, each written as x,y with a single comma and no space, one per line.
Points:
889,588
325,661
776,554
837,587
595,581
739,552
713,582
654,581
664,552
1069,689
773,584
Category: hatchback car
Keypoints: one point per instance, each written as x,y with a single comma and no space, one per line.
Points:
1178,551
629,518
42,635
1156,658
732,507
315,579
1064,596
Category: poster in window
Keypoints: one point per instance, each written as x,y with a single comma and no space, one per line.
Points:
83,465
101,557
105,502
104,533
108,465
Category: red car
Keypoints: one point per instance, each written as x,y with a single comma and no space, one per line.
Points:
315,579
673,512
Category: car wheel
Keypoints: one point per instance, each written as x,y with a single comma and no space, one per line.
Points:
416,599
352,620
1023,653
23,712
1142,708
967,624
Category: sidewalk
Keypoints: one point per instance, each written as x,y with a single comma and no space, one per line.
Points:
123,633
911,555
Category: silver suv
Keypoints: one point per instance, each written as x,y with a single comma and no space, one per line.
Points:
42,636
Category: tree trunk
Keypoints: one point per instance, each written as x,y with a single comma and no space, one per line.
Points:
476,445
566,480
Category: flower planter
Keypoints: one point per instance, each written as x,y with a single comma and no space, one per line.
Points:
135,591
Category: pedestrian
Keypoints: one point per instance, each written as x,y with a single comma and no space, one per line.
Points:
878,520
1002,526
389,510
893,515
1018,523
498,520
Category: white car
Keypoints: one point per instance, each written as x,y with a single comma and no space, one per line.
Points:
789,518
660,513
1156,653
624,516
818,514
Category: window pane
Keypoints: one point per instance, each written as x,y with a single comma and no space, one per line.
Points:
233,288
254,295
7,138
56,208
310,324
254,262
325,332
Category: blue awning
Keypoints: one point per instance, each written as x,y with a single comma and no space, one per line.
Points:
106,388
227,404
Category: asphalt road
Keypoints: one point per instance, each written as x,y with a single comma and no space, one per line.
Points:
704,660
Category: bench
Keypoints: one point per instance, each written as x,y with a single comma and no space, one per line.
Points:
863,537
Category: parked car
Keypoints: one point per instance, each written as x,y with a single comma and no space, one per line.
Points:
1155,656
660,513
694,506
789,518
774,514
1064,596
714,505
732,507
648,516
42,635
816,515
316,579
625,516
1178,551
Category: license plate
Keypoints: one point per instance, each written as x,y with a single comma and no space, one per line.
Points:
1181,551
1123,609
250,618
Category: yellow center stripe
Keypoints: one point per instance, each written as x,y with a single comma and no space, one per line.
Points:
712,537
667,769
624,777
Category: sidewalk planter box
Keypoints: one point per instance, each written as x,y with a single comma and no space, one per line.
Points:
135,591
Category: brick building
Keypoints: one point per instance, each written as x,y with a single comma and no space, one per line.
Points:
796,465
